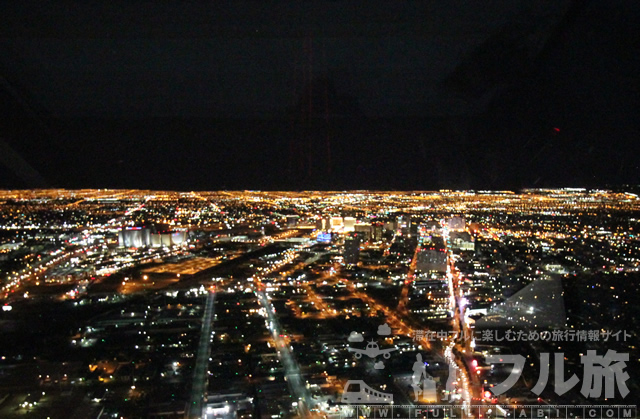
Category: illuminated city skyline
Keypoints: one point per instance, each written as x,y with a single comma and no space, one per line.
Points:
234,303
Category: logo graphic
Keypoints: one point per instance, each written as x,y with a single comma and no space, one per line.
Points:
538,305
357,391
372,350
384,330
424,387
451,383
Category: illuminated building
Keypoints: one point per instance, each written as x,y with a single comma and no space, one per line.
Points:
168,238
134,237
461,240
143,237
456,223
336,223
349,223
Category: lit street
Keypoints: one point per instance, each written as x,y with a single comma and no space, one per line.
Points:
200,375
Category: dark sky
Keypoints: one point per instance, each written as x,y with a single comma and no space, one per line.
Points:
320,95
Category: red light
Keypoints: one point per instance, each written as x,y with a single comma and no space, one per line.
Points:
487,394
474,363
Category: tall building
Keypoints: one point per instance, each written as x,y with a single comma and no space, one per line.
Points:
414,227
432,227
351,249
292,220
433,256
456,223
336,223
323,224
377,230
432,260
408,225
391,225
364,229
349,224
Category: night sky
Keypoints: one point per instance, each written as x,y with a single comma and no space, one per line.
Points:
320,95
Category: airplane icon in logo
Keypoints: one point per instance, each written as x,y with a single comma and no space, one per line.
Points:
372,350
